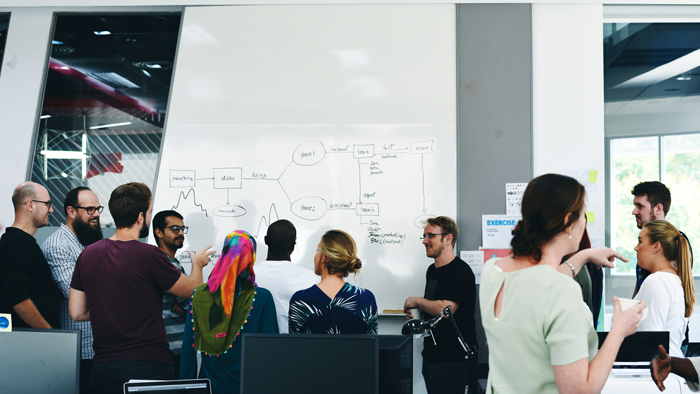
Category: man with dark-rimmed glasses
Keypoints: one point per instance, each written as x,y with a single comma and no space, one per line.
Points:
169,232
27,290
62,248
449,281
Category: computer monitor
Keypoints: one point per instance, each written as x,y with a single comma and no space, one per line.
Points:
395,364
309,364
39,361
639,347
183,386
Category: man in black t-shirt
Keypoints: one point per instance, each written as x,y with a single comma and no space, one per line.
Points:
449,281
27,290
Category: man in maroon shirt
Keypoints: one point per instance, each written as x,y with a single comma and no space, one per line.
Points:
118,285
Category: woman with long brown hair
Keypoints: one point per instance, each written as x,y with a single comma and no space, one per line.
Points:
668,290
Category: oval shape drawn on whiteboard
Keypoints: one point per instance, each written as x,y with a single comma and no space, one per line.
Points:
309,153
309,208
422,220
231,211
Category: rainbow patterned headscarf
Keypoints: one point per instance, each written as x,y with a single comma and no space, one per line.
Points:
237,257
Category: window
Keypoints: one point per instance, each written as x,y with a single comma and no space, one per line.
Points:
104,103
4,23
674,161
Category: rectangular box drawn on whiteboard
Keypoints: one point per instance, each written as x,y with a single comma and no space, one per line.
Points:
422,147
367,209
182,178
228,178
362,151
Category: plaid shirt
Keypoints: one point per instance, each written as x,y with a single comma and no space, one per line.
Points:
62,249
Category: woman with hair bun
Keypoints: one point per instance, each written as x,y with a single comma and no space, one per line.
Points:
540,333
334,306
668,290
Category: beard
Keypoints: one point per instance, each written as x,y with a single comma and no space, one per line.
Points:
435,251
86,233
641,222
144,231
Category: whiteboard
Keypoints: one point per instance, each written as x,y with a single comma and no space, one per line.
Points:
329,116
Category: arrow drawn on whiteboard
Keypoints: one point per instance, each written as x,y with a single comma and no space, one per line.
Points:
184,196
267,220
422,182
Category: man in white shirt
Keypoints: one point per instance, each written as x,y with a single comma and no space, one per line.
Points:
278,274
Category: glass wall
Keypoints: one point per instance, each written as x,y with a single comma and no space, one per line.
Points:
652,124
105,103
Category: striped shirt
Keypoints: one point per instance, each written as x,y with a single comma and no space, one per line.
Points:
62,249
174,322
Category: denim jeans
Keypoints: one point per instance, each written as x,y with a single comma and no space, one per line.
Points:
109,377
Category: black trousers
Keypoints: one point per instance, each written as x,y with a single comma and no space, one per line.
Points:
445,378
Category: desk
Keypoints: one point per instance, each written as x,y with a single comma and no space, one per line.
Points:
638,381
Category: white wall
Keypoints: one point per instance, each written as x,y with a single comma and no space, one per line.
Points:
21,86
568,97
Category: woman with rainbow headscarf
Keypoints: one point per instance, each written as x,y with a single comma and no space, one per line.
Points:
220,310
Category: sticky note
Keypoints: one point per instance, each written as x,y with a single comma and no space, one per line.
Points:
592,176
5,322
591,217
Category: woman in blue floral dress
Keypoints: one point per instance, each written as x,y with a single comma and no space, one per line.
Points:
334,306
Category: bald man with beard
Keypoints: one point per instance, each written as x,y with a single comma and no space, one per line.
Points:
27,290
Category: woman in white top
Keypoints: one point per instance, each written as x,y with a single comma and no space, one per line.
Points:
539,331
668,291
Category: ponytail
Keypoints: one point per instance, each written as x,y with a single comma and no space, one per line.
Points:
685,273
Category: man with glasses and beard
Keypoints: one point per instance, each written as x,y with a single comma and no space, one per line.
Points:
62,249
118,285
449,281
169,232
27,290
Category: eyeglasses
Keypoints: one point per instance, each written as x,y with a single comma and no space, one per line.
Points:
90,210
176,229
48,203
431,235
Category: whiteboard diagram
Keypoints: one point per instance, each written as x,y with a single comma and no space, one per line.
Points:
376,182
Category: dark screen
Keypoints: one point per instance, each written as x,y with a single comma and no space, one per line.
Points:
309,364
640,346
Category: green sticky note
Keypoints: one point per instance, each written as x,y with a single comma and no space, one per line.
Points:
592,176
591,217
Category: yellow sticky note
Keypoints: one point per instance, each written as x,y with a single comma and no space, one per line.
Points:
592,176
590,216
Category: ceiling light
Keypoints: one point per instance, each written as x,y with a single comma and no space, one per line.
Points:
56,42
669,70
102,33
103,126
146,73
154,65
683,78
44,116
